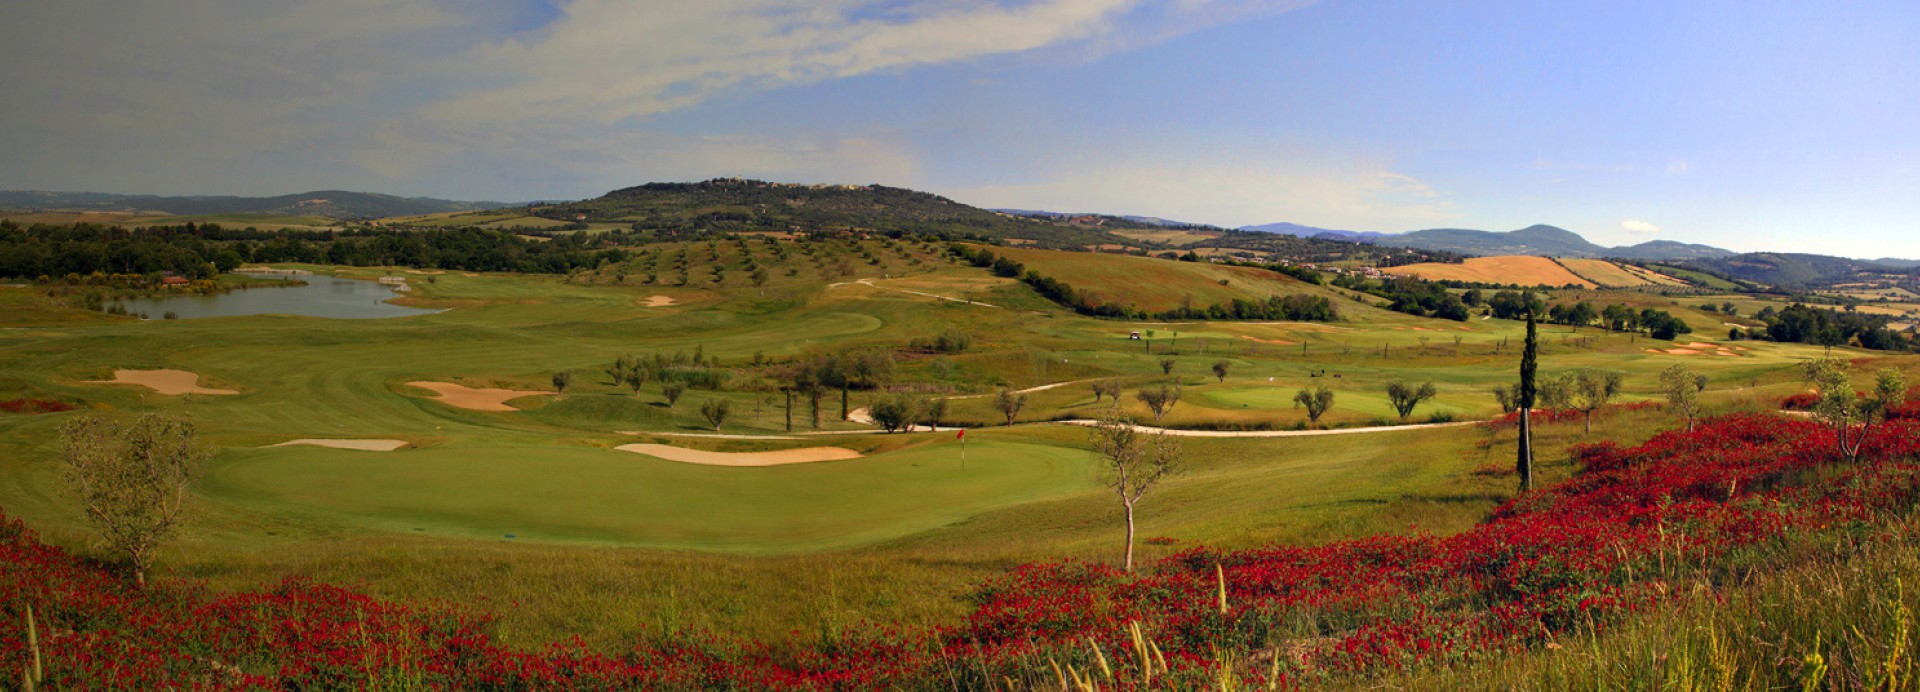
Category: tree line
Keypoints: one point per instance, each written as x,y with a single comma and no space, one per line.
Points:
201,250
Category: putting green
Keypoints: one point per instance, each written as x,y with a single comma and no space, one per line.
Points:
606,496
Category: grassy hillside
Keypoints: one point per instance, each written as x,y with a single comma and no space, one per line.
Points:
1155,284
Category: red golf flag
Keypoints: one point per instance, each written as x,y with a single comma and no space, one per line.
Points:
961,435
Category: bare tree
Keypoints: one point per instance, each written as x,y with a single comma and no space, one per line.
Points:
1316,401
132,477
1166,366
1159,399
1009,403
1405,396
1136,462
672,391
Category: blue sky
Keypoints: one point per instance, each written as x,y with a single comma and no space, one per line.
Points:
1750,125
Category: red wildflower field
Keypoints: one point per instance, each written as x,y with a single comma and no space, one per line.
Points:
1569,559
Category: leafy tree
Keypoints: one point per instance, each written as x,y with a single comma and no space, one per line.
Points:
629,370
1841,409
932,410
1135,462
1009,404
1682,387
1592,390
715,411
672,391
1316,401
1555,392
1220,369
1508,396
1405,396
894,411
560,381
1159,399
132,478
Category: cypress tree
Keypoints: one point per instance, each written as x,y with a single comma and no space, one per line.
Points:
1529,365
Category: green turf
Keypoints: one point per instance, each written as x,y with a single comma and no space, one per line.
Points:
608,496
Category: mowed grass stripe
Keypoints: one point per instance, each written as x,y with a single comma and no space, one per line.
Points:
598,495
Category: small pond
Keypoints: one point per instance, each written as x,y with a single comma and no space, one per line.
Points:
323,296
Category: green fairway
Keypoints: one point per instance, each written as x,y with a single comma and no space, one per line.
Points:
893,536
585,494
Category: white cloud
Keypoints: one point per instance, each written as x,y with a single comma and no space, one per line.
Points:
1678,167
1637,226
1231,184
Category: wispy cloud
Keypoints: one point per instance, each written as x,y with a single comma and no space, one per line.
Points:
242,96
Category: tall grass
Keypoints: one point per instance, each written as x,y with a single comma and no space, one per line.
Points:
1840,615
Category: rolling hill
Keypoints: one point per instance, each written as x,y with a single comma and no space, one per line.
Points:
736,205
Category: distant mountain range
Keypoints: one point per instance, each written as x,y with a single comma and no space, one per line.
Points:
1542,240
1769,268
1312,232
337,204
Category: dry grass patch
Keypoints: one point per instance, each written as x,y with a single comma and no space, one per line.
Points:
1507,269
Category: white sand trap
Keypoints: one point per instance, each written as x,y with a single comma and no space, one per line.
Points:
473,399
362,445
777,458
659,301
169,382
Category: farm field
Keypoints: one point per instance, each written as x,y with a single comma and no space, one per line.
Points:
534,506
1610,275
1506,269
1155,284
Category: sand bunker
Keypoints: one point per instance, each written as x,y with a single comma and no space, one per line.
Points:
777,458
167,382
473,399
362,445
659,301
1276,342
